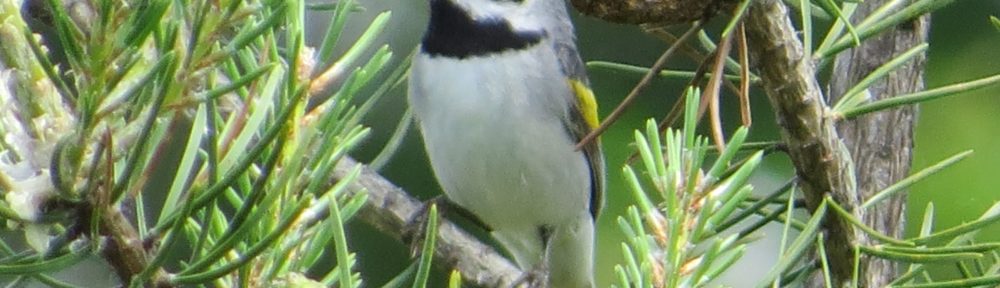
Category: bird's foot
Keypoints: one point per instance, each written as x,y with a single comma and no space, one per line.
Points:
415,229
534,278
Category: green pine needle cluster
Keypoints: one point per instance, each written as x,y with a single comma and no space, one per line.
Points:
248,200
676,231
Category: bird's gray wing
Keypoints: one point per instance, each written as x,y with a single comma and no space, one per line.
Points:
583,116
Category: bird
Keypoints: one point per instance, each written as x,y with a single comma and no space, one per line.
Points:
502,98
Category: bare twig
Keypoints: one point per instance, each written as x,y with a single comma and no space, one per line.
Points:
744,93
646,80
714,89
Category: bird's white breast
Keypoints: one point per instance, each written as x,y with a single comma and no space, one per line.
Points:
495,135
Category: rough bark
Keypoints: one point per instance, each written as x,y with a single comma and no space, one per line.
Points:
651,11
821,161
881,144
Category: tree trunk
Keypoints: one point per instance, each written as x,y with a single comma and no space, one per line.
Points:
881,144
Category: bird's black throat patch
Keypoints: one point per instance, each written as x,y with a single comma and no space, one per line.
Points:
453,33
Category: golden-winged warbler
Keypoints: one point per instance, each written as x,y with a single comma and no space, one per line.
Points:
502,98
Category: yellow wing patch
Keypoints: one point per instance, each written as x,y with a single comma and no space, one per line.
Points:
586,102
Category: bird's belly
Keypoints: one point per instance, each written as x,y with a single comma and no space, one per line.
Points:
500,152
506,172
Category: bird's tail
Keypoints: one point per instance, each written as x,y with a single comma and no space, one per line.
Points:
570,254
569,251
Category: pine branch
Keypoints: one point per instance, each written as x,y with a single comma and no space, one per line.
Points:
390,210
822,163
650,11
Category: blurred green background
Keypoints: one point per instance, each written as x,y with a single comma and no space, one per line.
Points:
964,46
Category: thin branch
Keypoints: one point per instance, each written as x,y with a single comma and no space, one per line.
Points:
744,93
390,210
714,88
646,80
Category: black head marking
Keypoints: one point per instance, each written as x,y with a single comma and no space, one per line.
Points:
452,32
